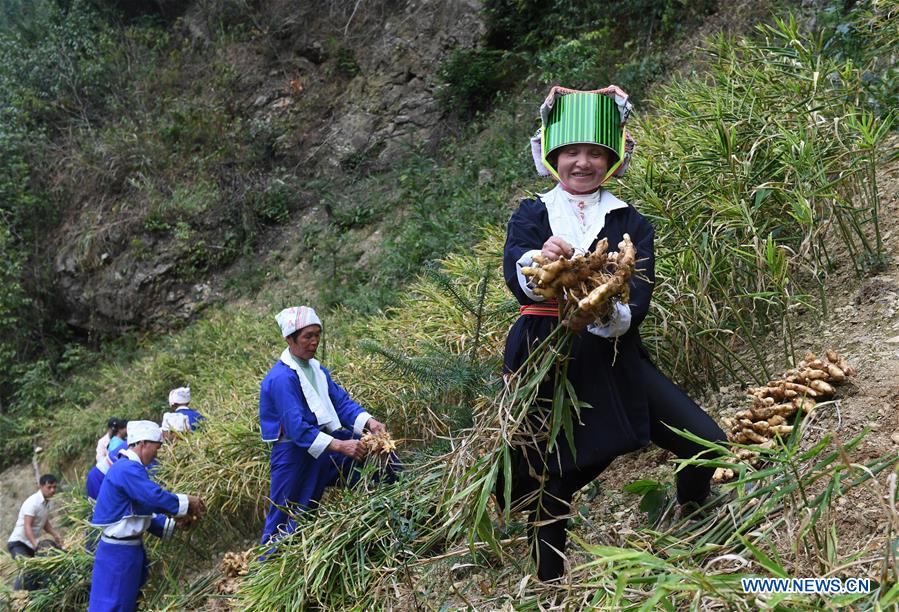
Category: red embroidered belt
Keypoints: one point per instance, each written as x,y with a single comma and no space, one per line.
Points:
546,309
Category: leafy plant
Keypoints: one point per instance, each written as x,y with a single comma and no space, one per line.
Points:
471,78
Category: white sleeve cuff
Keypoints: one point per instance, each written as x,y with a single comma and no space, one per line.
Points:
168,529
616,326
321,442
182,504
526,260
361,420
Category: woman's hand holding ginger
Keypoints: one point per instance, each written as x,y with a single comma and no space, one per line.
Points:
556,247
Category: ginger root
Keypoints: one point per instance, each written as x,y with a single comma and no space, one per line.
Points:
780,400
586,284
233,566
379,443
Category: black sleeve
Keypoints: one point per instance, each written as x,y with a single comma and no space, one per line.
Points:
525,231
643,280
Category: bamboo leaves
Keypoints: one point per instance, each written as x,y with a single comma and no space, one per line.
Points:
768,163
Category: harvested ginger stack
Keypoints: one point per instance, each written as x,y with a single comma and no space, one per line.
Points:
233,566
588,283
772,405
379,443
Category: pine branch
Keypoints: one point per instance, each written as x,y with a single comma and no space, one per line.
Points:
437,369
442,280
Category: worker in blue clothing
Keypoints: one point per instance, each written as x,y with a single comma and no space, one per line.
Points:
183,416
115,442
129,504
313,423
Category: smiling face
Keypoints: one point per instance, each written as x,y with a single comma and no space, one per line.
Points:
304,344
582,167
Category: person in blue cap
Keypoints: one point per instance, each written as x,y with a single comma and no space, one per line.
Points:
129,504
313,423
583,143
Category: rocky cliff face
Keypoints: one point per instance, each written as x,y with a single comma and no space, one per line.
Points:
335,86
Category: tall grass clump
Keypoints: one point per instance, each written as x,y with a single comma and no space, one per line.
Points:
382,547
759,180
783,521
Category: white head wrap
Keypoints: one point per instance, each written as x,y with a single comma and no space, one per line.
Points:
296,317
181,395
138,431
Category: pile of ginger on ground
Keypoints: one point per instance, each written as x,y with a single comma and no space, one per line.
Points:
233,566
779,401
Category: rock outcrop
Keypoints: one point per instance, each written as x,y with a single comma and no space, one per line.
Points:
346,85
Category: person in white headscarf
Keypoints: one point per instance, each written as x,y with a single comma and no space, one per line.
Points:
183,417
129,504
313,423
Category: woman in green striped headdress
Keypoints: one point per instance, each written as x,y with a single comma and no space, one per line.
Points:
582,144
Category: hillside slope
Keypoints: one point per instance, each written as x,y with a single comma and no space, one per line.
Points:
748,205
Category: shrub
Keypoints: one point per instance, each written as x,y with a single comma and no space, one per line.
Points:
471,78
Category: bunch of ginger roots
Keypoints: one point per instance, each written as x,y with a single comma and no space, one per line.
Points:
779,401
586,284
233,566
380,443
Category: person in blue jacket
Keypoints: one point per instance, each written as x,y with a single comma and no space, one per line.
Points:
128,505
313,423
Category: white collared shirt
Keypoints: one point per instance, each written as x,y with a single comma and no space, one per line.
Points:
578,219
39,509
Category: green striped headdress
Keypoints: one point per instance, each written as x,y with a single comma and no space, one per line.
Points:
593,117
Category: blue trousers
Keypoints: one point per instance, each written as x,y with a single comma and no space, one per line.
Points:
119,572
94,480
298,481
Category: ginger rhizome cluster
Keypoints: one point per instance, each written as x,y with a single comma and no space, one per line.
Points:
586,284
379,443
780,401
233,566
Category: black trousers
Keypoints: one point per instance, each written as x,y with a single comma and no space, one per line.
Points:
15,549
667,405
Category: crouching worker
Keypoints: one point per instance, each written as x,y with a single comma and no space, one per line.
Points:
313,423
184,418
128,505
34,518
